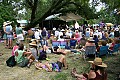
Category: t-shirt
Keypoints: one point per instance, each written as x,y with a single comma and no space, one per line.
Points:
18,30
9,29
20,56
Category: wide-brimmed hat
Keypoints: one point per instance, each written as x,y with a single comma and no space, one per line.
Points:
98,62
5,23
8,22
90,39
33,43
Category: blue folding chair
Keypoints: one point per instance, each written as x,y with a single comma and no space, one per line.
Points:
115,49
103,51
63,44
73,43
55,43
90,51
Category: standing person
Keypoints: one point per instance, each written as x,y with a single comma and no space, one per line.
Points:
97,71
9,33
44,33
5,35
19,33
37,34
116,32
30,33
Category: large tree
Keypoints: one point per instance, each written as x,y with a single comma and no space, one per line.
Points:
9,10
40,9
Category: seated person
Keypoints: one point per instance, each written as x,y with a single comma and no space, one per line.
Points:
73,42
57,66
15,48
90,42
61,38
103,43
34,50
97,71
23,58
57,50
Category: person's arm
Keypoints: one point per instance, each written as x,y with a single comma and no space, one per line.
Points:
91,75
26,53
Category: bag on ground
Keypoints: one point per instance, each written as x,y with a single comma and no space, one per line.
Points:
11,61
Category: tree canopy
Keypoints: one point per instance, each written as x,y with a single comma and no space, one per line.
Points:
37,10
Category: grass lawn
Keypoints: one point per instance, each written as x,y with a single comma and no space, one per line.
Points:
73,60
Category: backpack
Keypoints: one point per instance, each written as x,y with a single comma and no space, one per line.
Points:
42,56
11,61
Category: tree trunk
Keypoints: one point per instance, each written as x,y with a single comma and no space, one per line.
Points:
34,8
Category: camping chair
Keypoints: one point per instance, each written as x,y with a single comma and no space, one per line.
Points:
103,51
55,43
115,49
89,52
73,43
63,44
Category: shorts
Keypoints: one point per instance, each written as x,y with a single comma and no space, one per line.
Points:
9,36
5,36
20,37
59,64
24,63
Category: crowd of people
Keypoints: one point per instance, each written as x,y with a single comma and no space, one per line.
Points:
40,41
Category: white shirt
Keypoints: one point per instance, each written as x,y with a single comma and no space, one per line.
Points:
56,33
37,35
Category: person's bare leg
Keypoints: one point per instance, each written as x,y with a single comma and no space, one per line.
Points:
31,57
10,43
5,43
48,66
62,59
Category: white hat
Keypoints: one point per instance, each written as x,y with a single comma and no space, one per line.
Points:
62,30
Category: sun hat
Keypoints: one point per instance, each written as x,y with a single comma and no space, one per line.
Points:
98,62
5,23
33,43
8,22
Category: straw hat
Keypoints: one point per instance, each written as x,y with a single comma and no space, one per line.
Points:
98,62
5,23
8,22
33,43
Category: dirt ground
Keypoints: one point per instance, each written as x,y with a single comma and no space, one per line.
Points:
73,60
